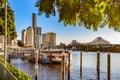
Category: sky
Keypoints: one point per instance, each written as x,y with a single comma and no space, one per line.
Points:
23,10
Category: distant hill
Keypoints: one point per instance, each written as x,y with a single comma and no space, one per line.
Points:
99,40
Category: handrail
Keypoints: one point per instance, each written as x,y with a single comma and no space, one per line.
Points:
5,74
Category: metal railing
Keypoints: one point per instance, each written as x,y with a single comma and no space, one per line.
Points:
5,74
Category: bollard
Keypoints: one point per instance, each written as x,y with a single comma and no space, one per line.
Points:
81,64
69,56
108,66
36,64
63,67
98,65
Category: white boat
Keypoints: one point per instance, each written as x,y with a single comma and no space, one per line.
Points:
54,56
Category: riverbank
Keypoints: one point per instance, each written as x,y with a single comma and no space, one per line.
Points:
98,50
95,48
16,72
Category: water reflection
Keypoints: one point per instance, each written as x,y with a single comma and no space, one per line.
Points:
89,72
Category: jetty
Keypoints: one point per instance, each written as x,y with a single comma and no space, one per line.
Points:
44,56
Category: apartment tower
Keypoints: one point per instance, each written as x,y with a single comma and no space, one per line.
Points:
34,23
32,35
49,39
24,37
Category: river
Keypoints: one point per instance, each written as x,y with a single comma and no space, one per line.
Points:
53,71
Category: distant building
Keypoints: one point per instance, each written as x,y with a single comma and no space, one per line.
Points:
10,43
45,40
38,31
49,40
1,41
38,37
24,37
30,37
38,41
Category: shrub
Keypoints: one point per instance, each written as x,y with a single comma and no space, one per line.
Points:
16,72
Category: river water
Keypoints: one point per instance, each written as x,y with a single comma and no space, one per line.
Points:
53,71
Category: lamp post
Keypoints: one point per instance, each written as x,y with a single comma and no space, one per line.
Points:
5,35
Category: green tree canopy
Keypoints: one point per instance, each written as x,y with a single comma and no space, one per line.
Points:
10,22
20,44
89,13
2,3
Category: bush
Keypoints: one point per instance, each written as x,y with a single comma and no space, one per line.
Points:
16,72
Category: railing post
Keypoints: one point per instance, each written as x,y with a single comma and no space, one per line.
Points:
69,61
63,67
81,64
98,65
108,66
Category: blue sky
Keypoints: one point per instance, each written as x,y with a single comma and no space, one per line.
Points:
23,10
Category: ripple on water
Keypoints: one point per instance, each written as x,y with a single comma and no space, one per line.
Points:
52,72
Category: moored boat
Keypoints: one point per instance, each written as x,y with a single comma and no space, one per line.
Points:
54,56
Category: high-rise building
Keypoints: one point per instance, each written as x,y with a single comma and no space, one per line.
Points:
45,40
38,31
34,23
30,37
38,41
24,37
34,20
49,40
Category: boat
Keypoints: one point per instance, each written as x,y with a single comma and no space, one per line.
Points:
56,59
53,56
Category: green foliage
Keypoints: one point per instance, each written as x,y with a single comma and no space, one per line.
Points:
11,30
20,44
89,13
17,73
2,3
